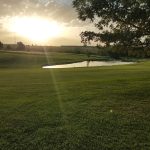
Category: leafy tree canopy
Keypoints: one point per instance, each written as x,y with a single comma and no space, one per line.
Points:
120,22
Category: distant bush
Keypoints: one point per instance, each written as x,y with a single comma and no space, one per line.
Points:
1,45
8,47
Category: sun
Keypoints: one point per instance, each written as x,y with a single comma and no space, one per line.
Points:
35,28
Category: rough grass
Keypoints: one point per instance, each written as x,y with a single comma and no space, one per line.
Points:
99,108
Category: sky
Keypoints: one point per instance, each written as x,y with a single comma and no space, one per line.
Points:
42,22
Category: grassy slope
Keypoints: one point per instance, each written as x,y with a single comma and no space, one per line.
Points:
19,59
24,60
83,108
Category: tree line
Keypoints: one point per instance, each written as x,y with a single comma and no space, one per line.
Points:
111,51
119,51
19,46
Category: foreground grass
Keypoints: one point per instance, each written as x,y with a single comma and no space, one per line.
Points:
83,108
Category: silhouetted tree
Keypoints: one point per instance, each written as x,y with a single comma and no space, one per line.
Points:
20,46
1,45
120,22
8,47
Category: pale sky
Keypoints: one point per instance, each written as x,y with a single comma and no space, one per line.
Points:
50,22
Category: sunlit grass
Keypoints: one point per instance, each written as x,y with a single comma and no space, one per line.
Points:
100,108
24,60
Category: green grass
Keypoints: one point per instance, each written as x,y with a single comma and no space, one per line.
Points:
36,60
101,108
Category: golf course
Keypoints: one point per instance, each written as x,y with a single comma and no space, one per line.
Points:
95,108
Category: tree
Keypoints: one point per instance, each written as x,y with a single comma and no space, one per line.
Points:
8,47
20,46
1,45
120,22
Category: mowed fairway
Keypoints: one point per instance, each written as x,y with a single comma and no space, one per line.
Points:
100,108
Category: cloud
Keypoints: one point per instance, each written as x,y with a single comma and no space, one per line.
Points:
60,10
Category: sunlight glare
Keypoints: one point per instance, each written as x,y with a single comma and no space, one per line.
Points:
35,29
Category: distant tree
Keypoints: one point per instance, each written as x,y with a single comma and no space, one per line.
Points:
20,46
1,45
120,22
8,47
